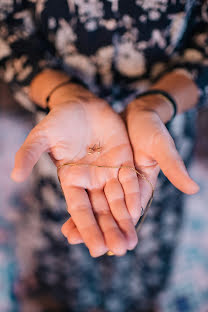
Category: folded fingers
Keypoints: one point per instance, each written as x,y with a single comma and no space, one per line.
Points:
71,232
130,184
114,238
104,218
115,197
80,209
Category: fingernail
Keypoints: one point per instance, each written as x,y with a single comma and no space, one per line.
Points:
74,241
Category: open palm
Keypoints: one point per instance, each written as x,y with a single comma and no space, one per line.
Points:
104,203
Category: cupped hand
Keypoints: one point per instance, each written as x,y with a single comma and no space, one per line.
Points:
153,149
104,203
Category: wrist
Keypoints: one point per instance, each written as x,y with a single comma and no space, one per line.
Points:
153,103
43,83
71,92
179,84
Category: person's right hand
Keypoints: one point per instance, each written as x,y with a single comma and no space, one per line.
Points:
104,203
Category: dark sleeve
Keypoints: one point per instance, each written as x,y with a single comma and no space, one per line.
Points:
24,51
193,53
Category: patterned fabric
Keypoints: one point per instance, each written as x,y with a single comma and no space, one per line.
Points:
8,269
117,48
188,285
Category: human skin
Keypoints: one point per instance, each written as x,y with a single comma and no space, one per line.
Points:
104,216
104,204
153,147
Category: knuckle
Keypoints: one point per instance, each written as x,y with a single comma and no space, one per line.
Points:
116,200
79,208
39,135
101,212
111,231
128,177
112,182
124,220
133,195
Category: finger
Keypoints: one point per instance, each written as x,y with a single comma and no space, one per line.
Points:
148,176
130,183
114,238
29,153
115,197
148,184
70,231
80,210
171,163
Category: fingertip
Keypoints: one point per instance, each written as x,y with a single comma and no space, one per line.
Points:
189,187
74,237
64,229
120,249
17,176
74,240
99,251
192,185
133,242
193,189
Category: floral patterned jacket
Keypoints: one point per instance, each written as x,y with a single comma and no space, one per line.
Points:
114,46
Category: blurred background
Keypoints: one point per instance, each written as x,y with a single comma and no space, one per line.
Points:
187,290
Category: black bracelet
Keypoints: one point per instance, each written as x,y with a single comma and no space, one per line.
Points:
47,109
41,109
70,80
55,88
165,94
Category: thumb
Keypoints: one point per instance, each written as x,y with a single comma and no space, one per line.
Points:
29,153
171,163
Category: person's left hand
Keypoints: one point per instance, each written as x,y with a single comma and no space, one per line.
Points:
153,149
